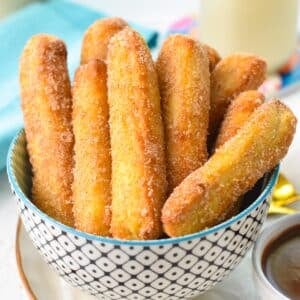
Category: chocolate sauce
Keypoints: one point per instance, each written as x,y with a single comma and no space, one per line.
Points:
281,262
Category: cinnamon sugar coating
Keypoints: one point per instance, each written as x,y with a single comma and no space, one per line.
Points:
213,56
97,36
47,105
232,75
137,142
238,114
184,82
92,170
204,197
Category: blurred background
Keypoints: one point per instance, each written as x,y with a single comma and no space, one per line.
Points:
268,28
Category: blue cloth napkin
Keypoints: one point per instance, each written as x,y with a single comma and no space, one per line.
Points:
64,19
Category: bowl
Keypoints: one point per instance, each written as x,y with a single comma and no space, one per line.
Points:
173,268
265,289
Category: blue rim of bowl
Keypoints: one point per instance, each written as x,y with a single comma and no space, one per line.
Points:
267,190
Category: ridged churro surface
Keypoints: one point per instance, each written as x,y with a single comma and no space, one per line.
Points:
213,56
97,36
92,171
238,114
184,82
138,164
47,105
232,75
203,198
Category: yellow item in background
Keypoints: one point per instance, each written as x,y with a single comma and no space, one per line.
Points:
267,28
9,6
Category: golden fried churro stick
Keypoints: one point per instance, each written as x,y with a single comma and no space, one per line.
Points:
92,171
138,166
213,56
202,199
232,75
97,36
184,82
47,107
238,114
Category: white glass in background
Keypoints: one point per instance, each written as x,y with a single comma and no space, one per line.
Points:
9,6
264,27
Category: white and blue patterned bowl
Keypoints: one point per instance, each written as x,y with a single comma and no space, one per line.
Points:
174,268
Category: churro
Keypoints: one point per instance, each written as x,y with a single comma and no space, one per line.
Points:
92,171
184,82
137,142
202,199
237,114
231,76
47,106
213,56
97,36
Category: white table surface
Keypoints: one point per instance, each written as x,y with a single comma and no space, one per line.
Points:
156,14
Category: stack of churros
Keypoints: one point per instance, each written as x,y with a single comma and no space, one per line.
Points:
135,149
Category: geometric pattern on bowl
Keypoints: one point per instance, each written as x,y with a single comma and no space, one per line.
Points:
173,268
